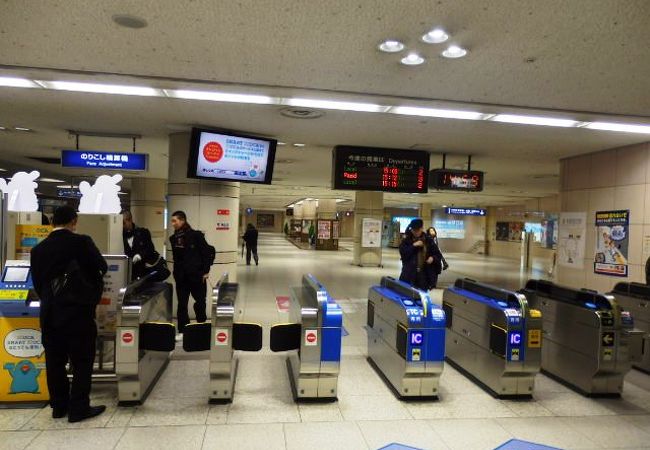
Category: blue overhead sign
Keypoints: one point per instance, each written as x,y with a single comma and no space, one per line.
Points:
104,160
466,211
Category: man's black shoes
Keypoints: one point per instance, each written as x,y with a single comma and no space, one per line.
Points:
59,413
92,411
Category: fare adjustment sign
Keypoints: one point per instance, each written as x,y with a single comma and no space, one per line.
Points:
104,160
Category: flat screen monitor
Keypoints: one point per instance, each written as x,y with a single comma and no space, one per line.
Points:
16,275
404,222
224,156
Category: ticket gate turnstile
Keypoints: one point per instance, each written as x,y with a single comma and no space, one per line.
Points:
406,338
587,337
635,298
222,336
494,336
145,338
313,340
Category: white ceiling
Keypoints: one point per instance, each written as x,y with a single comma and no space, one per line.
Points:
588,55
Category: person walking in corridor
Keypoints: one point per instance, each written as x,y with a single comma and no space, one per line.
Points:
420,256
250,238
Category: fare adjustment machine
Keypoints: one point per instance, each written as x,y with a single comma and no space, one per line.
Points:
22,358
406,338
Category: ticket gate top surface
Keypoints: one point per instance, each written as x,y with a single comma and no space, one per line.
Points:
638,290
16,288
582,298
491,296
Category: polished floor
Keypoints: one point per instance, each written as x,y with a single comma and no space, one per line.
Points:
367,416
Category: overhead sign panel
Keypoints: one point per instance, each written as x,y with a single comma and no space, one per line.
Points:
380,169
456,180
466,211
86,159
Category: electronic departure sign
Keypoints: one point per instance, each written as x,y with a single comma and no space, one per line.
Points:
380,169
456,180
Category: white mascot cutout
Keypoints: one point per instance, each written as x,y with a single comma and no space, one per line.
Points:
101,197
21,191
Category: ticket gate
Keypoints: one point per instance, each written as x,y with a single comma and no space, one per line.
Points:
22,358
222,336
588,339
145,338
493,336
313,341
406,338
635,298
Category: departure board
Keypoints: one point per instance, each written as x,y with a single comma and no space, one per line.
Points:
456,180
380,169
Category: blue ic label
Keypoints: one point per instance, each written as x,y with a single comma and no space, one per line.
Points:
515,338
113,268
417,338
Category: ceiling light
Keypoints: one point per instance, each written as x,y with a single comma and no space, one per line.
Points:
221,96
454,51
329,104
623,127
391,46
534,120
22,129
17,82
102,88
297,144
2,128
282,143
412,59
51,180
2,170
67,186
434,112
435,36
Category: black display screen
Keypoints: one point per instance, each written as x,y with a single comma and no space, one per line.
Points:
456,180
380,169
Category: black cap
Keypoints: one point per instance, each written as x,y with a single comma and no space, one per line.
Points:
416,224
63,215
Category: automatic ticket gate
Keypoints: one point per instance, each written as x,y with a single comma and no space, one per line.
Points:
222,336
313,340
589,341
406,338
493,336
22,358
145,338
635,298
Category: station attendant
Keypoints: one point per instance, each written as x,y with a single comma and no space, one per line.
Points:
68,271
138,246
193,258
421,258
250,238
434,235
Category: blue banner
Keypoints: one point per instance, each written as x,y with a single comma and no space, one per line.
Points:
466,211
90,159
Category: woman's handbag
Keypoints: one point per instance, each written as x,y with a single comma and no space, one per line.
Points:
158,269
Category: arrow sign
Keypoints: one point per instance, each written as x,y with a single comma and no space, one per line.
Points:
608,339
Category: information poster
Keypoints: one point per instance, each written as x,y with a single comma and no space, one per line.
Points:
27,237
449,228
515,231
503,229
371,233
550,233
336,233
572,231
116,278
324,229
612,242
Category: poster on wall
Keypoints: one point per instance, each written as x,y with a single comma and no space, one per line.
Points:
27,237
503,228
265,220
335,229
550,233
572,231
515,231
612,242
450,229
371,233
324,229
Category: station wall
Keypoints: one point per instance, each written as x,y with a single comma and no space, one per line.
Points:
263,224
615,179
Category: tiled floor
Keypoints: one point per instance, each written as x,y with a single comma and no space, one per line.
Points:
367,416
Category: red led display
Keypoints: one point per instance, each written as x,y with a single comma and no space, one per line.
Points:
456,180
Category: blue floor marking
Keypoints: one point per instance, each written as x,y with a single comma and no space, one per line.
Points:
517,444
344,332
396,446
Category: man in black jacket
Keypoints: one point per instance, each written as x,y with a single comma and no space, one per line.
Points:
68,270
138,246
250,237
421,258
193,258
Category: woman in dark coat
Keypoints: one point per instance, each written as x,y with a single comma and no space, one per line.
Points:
434,235
421,258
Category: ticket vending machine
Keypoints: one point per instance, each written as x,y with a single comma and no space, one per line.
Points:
22,359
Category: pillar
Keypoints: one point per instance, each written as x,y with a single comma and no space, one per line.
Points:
148,208
309,215
326,208
367,205
426,214
206,203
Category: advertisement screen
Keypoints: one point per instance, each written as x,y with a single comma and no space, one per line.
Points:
403,221
450,229
229,157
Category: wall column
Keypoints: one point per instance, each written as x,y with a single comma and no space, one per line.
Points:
426,214
211,207
148,207
367,205
326,208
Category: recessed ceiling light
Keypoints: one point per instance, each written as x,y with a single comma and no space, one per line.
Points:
412,59
220,96
434,112
129,21
67,186
329,104
435,36
298,144
17,82
2,128
51,180
391,46
534,120
454,51
97,88
22,129
626,128
282,143
2,170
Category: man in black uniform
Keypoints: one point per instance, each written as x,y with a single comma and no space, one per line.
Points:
138,246
193,258
250,237
68,271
